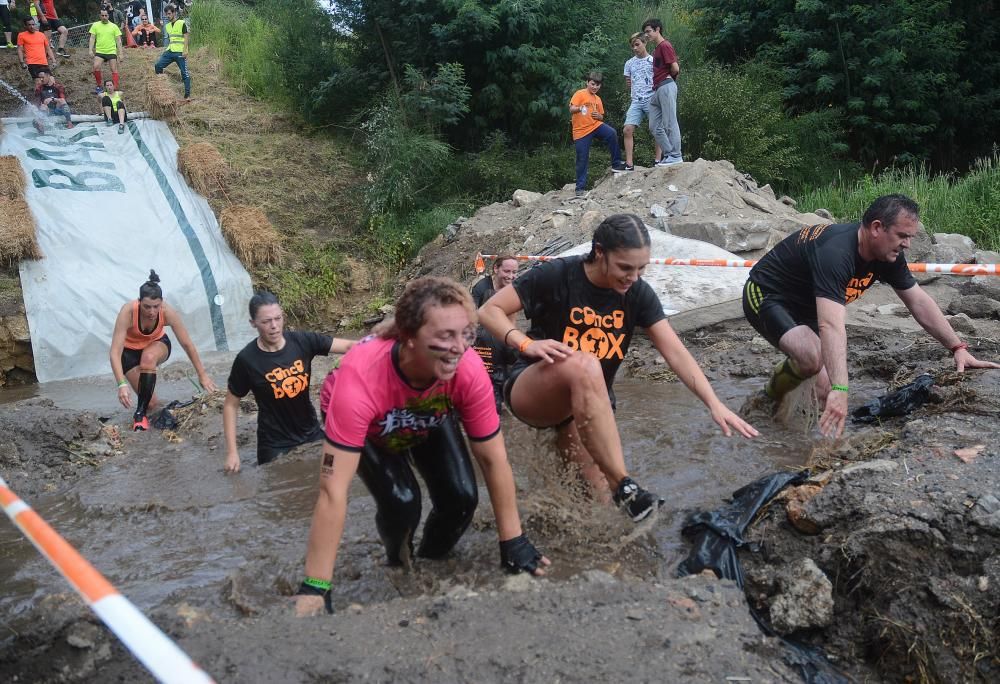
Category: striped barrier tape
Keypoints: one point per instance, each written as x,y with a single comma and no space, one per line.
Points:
154,649
952,269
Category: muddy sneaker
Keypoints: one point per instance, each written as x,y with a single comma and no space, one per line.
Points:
636,501
140,425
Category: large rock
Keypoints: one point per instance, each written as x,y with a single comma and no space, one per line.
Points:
921,247
733,236
988,286
953,248
804,600
975,306
523,198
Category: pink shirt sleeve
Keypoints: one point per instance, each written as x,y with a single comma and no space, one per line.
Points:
473,397
326,391
347,426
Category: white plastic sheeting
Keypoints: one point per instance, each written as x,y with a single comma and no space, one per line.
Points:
681,288
109,208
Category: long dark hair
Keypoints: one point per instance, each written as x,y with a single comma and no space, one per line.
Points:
618,231
151,288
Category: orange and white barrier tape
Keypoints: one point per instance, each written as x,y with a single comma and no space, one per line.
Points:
953,269
154,649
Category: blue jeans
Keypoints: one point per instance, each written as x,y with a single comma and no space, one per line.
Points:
607,135
165,60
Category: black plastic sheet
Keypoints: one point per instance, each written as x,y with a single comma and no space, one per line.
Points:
899,403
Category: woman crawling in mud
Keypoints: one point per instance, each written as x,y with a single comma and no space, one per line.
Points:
139,345
583,311
393,406
276,367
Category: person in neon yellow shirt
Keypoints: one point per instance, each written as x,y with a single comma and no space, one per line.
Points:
106,46
176,37
114,106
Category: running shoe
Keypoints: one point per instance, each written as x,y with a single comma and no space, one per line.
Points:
140,425
581,193
674,160
662,162
636,501
630,167
121,128
98,91
619,167
62,52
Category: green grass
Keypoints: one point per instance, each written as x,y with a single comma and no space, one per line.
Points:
969,205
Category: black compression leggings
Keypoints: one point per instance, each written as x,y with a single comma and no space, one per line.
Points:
443,462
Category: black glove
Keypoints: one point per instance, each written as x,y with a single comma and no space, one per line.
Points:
519,555
307,590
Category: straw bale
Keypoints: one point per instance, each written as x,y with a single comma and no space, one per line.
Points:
203,167
12,181
250,235
161,102
17,232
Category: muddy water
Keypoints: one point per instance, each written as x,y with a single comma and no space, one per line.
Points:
167,526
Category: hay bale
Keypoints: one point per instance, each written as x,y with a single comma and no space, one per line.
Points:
12,180
161,103
250,235
17,232
203,167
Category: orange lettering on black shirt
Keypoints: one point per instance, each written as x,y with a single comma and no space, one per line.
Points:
288,382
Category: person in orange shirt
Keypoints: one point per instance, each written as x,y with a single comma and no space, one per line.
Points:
145,32
139,344
587,112
33,49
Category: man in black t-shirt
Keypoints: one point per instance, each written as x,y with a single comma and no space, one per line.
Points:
496,356
797,293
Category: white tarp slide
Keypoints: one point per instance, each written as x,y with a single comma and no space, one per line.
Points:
681,288
109,208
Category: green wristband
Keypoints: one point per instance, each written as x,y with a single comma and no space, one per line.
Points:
839,388
123,382
322,585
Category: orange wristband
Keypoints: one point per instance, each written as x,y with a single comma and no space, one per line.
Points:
524,344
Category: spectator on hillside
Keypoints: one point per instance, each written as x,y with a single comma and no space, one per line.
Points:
52,97
145,32
663,104
177,37
50,22
115,15
134,12
587,112
639,79
5,7
33,49
113,106
105,46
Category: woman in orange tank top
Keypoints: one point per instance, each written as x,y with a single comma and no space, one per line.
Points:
139,345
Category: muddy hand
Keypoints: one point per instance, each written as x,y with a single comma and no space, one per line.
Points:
963,360
232,463
207,383
729,421
547,350
125,396
831,423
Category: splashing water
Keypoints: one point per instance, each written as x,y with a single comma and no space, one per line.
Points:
33,111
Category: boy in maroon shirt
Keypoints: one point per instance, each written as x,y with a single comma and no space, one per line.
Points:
663,104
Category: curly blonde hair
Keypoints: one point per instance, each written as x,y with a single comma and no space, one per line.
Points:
411,309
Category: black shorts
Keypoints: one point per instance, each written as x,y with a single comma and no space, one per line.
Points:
106,57
515,372
35,69
131,357
51,25
771,314
266,454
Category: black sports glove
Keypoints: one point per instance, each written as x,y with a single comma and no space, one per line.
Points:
306,590
519,555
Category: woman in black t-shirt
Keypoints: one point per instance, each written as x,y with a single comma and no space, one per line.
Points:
276,367
583,311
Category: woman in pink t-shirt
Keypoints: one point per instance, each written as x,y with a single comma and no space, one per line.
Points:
391,403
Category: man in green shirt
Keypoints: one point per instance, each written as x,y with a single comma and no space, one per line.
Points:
176,35
106,46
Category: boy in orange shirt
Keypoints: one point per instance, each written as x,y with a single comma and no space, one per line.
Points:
587,112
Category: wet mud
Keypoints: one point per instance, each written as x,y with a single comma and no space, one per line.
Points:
909,550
